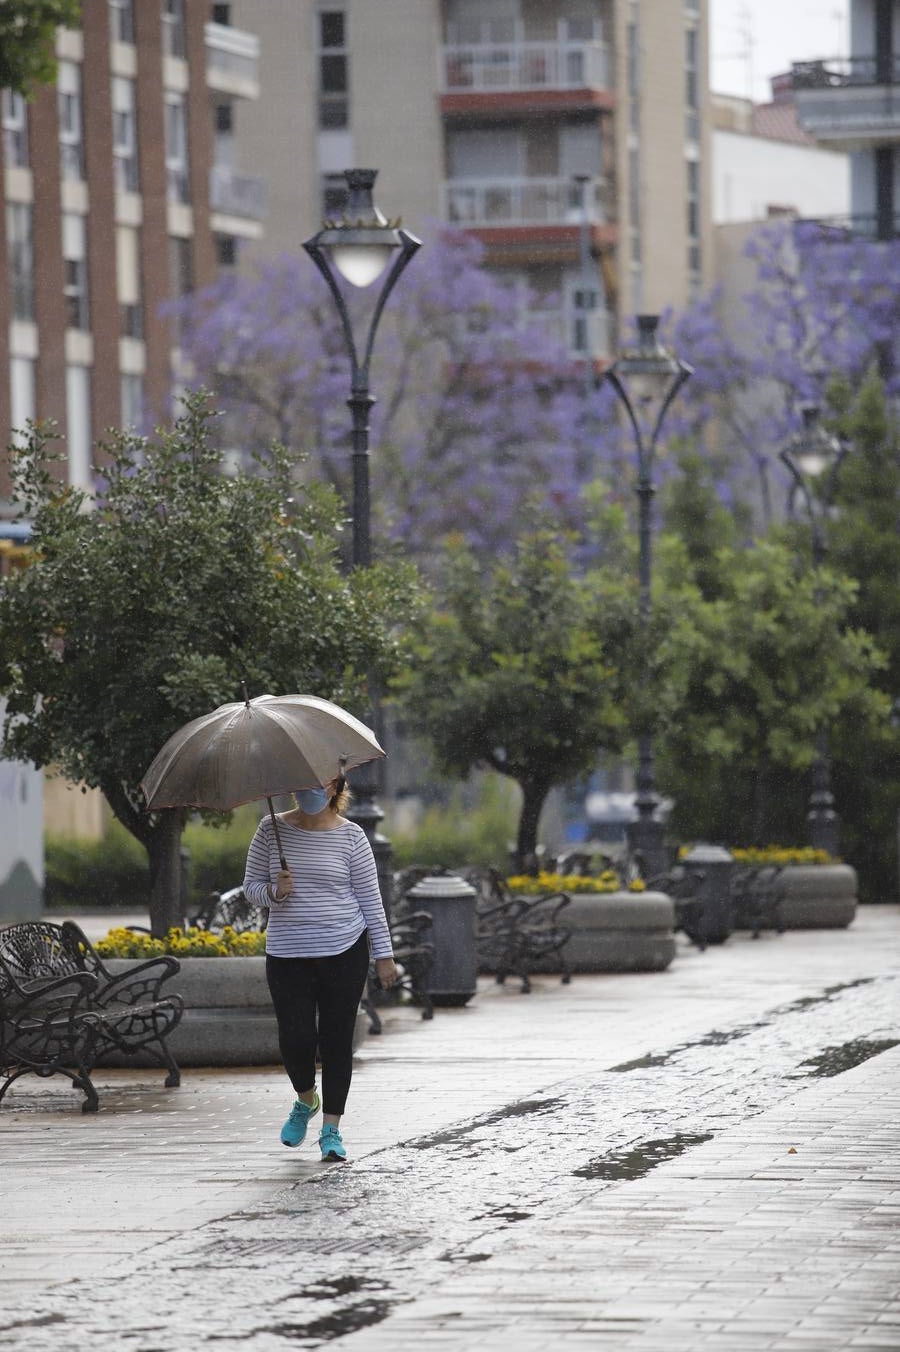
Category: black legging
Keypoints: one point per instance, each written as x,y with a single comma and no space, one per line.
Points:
316,1000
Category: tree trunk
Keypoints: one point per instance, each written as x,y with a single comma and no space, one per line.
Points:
533,795
164,850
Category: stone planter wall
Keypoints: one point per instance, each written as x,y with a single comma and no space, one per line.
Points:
818,896
228,1018
618,932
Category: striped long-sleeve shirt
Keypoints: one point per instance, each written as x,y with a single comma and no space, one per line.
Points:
335,895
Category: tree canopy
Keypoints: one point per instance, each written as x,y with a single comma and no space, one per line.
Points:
149,606
27,41
523,669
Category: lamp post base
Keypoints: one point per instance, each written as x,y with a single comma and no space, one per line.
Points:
646,839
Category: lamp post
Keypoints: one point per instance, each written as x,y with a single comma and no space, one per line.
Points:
646,379
360,246
813,457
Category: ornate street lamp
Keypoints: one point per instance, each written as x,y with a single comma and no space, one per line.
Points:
362,246
813,458
646,379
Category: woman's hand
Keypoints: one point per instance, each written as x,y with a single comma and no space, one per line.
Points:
386,971
284,885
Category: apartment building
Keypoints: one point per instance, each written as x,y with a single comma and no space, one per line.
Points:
853,104
122,191
571,136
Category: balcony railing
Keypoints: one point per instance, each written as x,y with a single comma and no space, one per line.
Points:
485,202
237,194
232,59
512,66
842,72
857,227
583,333
848,99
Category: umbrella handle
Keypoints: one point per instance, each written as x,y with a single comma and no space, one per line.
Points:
281,857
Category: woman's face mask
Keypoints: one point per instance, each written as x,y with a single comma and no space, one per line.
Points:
312,801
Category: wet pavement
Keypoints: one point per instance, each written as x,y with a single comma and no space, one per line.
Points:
705,1158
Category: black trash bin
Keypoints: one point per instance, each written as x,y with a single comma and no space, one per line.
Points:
450,902
715,867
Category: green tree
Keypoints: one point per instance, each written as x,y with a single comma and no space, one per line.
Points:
149,610
758,669
27,38
863,538
523,670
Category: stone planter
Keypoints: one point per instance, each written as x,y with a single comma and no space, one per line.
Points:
228,1018
818,896
619,932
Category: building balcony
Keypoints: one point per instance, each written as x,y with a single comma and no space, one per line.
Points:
841,229
240,195
483,203
850,103
232,61
585,334
481,77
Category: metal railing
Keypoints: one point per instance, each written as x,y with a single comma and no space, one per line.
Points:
237,194
583,333
474,202
480,68
841,229
844,72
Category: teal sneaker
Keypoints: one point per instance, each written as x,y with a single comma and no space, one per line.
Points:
330,1143
294,1130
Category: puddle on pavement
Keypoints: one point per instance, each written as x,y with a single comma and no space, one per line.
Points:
638,1160
835,1060
717,1038
364,1314
828,994
524,1108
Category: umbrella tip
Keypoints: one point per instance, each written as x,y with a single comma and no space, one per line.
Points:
244,693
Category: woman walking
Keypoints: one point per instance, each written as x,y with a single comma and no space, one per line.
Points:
325,914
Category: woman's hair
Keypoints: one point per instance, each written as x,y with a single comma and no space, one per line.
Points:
340,799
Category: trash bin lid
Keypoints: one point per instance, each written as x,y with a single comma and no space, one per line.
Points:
708,854
442,885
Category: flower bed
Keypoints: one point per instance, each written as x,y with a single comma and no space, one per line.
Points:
574,883
182,943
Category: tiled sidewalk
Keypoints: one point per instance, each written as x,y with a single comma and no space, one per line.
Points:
603,1165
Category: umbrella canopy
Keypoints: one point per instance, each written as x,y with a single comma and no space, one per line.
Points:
257,748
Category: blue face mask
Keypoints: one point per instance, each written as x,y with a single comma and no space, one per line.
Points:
312,801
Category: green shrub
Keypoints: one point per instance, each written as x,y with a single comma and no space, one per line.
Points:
113,872
455,834
84,874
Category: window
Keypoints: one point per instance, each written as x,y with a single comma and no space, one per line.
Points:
121,20
15,130
178,185
71,137
222,14
693,216
226,251
128,282
75,262
181,277
78,429
181,267
21,380
132,399
333,74
334,196
691,85
174,43
20,247
125,150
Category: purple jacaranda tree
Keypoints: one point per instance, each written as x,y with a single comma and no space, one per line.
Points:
823,304
477,413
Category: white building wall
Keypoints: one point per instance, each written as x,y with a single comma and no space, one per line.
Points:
752,175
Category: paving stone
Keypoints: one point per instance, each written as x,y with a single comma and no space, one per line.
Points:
604,1164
